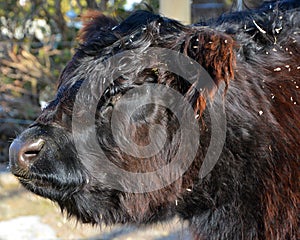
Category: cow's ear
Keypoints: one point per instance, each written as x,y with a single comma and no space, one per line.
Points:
94,22
214,51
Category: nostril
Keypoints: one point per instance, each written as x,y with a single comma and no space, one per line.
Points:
22,154
30,151
30,155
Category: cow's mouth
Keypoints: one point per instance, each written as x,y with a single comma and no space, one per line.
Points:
35,182
42,186
48,186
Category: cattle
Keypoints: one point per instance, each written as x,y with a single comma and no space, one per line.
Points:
154,119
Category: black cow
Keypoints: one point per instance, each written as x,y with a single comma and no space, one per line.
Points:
154,161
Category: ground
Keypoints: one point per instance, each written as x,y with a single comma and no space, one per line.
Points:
26,216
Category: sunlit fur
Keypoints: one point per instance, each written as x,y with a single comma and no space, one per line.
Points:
253,191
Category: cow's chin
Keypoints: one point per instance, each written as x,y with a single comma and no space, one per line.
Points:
42,188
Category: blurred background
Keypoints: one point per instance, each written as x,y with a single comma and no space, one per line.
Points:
37,39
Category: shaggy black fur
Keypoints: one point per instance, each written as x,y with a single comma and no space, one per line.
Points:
253,191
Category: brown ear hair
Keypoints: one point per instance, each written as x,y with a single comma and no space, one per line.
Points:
214,51
93,22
